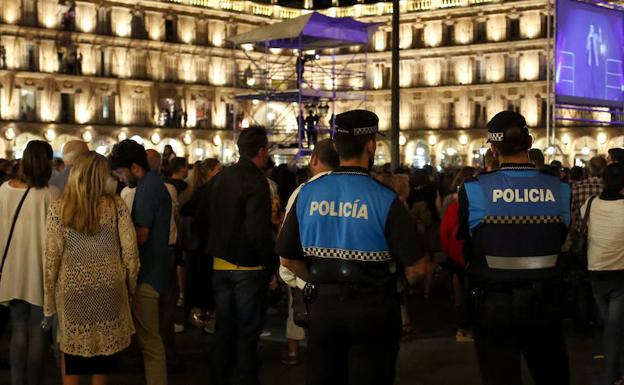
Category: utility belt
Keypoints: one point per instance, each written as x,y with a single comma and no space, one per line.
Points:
525,300
346,291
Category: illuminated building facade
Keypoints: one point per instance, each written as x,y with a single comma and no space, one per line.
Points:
163,72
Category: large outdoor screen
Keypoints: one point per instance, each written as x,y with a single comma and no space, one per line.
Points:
589,59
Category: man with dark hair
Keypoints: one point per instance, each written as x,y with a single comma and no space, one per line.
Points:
616,155
151,214
178,172
324,157
235,218
349,236
514,221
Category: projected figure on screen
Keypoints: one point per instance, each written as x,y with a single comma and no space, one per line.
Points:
594,41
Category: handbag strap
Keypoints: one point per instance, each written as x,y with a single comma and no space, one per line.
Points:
586,215
8,242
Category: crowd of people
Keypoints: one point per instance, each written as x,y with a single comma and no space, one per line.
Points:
100,250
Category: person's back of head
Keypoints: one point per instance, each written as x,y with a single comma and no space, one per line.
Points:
509,136
557,164
252,143
420,178
616,155
536,156
128,152
349,143
204,171
576,174
89,182
326,154
72,149
178,166
613,178
36,165
154,159
596,166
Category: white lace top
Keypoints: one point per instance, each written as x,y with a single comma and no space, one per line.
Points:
89,279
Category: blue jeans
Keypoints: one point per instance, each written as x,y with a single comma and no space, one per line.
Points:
240,299
609,295
28,344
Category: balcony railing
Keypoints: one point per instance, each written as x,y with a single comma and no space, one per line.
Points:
358,10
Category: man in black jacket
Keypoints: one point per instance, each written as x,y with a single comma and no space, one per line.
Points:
235,218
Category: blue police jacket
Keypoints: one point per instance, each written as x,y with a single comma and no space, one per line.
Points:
342,220
517,218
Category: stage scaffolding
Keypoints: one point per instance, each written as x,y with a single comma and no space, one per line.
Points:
300,73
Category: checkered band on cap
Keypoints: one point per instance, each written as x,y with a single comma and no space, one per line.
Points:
495,136
349,255
357,131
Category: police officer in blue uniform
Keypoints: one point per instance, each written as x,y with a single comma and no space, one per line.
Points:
350,236
514,221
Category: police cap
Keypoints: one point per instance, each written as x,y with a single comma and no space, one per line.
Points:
357,122
502,122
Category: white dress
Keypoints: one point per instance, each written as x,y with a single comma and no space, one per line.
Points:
22,276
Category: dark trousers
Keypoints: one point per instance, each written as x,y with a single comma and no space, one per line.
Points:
517,322
167,309
609,295
353,340
240,299
198,281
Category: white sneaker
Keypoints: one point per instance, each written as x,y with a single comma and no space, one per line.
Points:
177,328
265,333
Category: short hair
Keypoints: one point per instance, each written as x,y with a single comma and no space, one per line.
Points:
128,152
617,154
251,140
350,146
536,156
576,173
326,153
176,164
36,165
154,159
596,166
613,178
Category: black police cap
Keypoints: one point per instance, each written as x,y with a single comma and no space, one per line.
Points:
502,122
357,122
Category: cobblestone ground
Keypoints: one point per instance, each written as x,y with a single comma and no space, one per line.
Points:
428,357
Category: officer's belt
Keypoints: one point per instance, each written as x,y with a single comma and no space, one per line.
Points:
352,289
521,263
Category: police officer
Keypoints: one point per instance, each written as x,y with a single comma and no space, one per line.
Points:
348,235
514,221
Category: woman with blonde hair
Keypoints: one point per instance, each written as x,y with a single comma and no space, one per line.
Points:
91,267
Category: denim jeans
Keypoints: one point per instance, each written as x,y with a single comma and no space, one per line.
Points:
28,344
240,299
609,295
